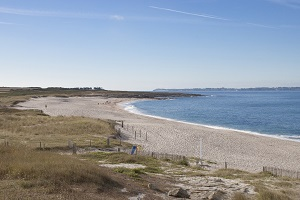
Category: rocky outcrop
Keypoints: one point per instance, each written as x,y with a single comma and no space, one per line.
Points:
212,188
179,193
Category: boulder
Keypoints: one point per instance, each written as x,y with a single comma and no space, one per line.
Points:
152,186
217,195
179,193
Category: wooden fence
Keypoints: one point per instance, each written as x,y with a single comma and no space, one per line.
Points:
157,155
282,172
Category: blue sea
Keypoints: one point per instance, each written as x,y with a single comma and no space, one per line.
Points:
273,113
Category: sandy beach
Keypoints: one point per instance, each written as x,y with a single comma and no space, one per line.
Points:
240,150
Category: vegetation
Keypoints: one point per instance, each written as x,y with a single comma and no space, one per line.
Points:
239,196
32,128
266,185
47,173
26,172
12,96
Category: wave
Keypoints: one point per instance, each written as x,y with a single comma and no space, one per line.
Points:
129,107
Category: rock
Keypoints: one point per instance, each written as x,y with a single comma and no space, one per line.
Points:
219,180
217,195
179,192
151,186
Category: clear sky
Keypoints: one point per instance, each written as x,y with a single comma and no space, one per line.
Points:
143,44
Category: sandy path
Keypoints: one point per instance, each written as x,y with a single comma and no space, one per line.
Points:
240,150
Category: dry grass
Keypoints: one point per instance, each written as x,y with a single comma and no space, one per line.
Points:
239,196
47,173
271,195
33,127
27,173
266,185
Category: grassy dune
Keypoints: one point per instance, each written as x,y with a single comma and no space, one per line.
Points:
47,174
33,127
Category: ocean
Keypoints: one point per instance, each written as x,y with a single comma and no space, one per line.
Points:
273,113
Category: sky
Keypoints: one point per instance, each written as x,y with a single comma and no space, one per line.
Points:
141,45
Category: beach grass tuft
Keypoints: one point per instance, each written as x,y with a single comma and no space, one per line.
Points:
47,169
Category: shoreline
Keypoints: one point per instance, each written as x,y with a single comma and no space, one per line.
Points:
137,112
242,151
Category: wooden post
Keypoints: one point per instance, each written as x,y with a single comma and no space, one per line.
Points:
146,136
107,142
70,144
40,145
140,133
74,148
201,152
90,143
122,124
225,165
135,135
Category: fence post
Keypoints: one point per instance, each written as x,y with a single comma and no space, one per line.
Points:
135,135
74,148
225,165
107,142
146,136
140,133
40,145
122,124
70,144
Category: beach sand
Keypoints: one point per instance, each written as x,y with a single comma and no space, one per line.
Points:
240,150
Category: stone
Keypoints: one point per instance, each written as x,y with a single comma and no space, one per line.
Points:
219,180
151,186
179,193
217,195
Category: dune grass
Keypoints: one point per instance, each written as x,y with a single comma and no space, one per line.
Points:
28,173
152,165
47,173
266,185
31,127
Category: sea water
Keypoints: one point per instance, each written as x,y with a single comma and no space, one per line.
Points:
273,113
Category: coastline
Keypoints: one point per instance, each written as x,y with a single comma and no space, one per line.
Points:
137,112
241,151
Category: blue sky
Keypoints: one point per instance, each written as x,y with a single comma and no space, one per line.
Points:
143,45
